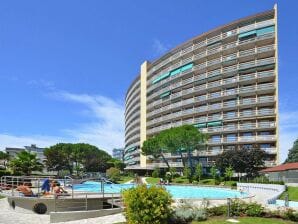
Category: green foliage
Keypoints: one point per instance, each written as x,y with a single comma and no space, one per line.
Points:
154,146
217,210
213,171
147,205
114,174
254,210
291,215
187,212
293,153
25,162
199,171
156,172
5,173
229,172
116,163
240,208
181,139
245,160
187,173
79,157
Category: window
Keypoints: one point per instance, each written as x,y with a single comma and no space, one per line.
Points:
247,146
264,133
231,114
247,134
216,138
265,146
231,137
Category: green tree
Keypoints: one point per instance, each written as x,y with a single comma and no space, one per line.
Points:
113,162
187,173
25,162
188,140
293,153
56,159
244,160
199,171
114,174
5,157
79,157
213,172
154,147
229,172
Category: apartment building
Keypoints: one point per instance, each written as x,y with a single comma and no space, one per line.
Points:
224,82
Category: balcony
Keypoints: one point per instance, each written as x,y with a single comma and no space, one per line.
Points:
270,150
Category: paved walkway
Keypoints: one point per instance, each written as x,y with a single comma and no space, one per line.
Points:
23,216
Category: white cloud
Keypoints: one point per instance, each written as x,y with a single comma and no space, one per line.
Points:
158,47
106,131
7,140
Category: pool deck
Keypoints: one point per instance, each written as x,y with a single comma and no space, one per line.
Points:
24,216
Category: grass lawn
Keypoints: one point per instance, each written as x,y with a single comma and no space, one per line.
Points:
245,220
293,194
124,179
152,180
181,180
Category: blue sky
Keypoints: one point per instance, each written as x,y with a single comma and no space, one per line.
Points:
65,65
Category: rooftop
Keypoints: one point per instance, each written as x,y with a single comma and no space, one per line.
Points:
283,167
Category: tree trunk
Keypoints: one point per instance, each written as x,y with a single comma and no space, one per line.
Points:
165,160
190,161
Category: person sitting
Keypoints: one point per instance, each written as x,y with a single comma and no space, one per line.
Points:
59,190
25,190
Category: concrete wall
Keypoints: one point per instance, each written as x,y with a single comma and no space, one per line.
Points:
265,193
59,205
70,216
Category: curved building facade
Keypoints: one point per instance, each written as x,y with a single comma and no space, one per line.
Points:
224,82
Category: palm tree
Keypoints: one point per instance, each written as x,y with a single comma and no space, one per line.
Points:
26,162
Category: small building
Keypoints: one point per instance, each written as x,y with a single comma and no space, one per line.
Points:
118,153
287,172
12,152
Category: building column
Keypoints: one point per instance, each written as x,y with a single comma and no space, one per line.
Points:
143,110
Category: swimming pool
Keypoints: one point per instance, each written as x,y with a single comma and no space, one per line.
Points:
292,204
178,192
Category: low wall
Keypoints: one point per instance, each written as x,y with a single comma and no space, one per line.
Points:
77,215
51,204
267,192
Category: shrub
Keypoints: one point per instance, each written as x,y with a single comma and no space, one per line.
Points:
217,211
254,209
156,173
147,205
114,174
291,215
240,208
187,174
5,173
186,214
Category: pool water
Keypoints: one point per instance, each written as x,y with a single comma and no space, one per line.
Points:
178,192
292,204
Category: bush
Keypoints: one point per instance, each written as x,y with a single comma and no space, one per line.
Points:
254,210
5,173
217,211
147,205
291,215
187,213
240,208
156,173
114,174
